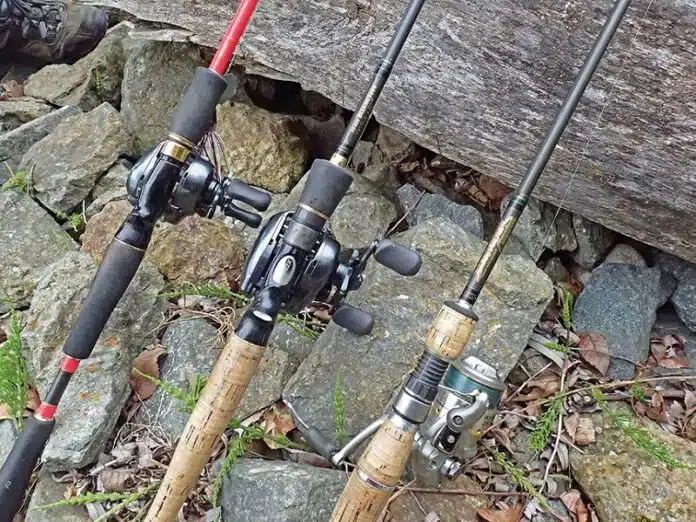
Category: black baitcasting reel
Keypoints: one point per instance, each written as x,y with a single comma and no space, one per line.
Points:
307,265
199,190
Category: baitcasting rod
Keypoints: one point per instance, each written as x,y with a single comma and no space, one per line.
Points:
382,464
271,273
155,181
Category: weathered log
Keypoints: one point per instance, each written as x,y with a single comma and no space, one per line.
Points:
481,81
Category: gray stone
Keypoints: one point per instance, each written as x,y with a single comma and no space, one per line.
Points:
374,366
593,241
556,271
66,164
90,81
193,346
541,226
627,484
260,147
154,78
619,302
684,297
625,254
48,491
279,491
288,340
321,136
363,214
668,323
14,144
18,111
30,240
8,435
111,187
488,109
266,386
437,205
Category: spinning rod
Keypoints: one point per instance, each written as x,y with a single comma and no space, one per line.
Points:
171,181
294,262
382,464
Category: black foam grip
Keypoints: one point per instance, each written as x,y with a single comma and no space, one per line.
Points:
400,259
253,197
115,273
326,185
196,110
353,319
319,442
17,469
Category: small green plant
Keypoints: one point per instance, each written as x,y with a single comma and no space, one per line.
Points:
638,392
545,425
14,381
556,347
518,477
19,180
98,82
567,300
77,221
187,398
235,450
339,408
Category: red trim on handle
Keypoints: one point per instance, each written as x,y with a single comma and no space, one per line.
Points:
69,364
228,44
46,412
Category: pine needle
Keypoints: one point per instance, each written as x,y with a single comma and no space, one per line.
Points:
518,477
236,449
339,408
92,498
545,425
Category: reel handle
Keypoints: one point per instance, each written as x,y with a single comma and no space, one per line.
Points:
253,197
353,319
402,260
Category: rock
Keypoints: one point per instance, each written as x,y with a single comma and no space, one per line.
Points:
668,323
619,302
250,234
8,435
193,346
30,241
18,111
260,147
196,249
363,214
14,144
593,241
556,271
48,491
111,187
101,227
321,136
279,491
437,205
449,508
154,79
625,254
541,226
684,297
66,164
288,340
90,81
266,386
58,298
626,484
373,366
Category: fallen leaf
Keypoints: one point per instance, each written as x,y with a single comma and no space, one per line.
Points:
276,423
585,433
658,350
33,399
541,388
595,350
503,515
656,409
675,362
690,429
573,501
571,425
432,517
115,480
146,363
689,402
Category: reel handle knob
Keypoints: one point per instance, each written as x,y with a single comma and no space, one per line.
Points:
245,216
255,198
353,319
402,260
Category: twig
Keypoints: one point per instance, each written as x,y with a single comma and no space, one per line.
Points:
470,492
396,495
401,220
525,383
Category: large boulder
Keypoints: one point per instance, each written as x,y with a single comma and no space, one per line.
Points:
373,366
30,240
155,76
111,187
620,302
14,144
18,111
261,148
90,81
279,491
465,92
627,484
684,297
66,164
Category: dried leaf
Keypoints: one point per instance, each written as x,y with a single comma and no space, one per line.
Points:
432,517
146,363
511,421
675,362
690,429
595,350
573,501
503,515
33,399
276,423
656,409
658,350
585,433
689,402
115,480
544,386
571,425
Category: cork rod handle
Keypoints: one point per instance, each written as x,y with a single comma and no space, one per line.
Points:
213,412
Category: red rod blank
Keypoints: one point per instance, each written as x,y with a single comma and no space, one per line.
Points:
228,45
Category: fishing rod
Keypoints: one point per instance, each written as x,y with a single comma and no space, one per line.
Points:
171,181
295,261
432,416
